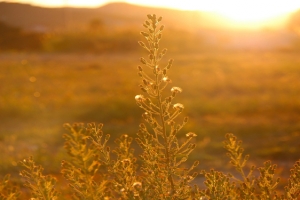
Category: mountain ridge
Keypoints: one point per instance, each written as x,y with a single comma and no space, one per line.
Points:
27,16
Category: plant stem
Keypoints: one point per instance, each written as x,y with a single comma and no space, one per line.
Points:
165,137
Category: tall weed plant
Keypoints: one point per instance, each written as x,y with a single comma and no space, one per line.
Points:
95,171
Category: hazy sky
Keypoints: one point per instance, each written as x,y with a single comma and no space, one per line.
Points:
180,4
238,10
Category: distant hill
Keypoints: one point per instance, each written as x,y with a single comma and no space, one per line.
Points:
41,18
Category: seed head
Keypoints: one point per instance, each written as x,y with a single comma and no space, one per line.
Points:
178,106
190,135
176,89
139,98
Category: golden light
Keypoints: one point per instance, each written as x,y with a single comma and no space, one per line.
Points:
251,13
256,14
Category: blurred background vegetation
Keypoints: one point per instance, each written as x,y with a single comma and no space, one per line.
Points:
79,65
114,28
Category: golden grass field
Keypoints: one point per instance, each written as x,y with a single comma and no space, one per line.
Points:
253,94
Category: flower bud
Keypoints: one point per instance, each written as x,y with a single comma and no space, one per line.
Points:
143,89
170,64
192,146
148,101
168,99
142,44
157,69
143,60
196,163
186,119
159,36
142,126
154,87
151,57
164,72
140,68
145,82
145,34
107,136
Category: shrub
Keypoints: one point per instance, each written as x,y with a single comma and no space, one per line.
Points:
17,39
95,171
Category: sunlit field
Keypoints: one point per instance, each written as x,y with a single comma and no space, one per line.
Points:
235,73
253,94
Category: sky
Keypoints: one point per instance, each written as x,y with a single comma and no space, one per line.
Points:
236,10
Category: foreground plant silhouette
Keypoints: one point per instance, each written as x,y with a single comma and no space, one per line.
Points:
95,171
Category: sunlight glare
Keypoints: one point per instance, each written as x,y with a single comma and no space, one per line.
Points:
253,11
237,12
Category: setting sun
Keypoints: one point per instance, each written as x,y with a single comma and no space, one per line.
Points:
255,13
